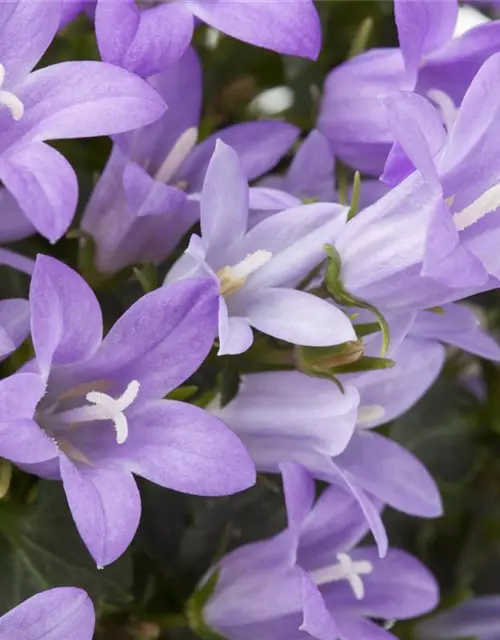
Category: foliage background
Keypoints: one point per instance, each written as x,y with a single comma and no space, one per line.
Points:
142,596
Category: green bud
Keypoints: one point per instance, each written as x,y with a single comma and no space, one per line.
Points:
328,359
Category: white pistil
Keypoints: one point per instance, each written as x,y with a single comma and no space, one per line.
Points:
183,146
233,278
113,408
368,413
486,203
346,569
446,107
102,407
10,100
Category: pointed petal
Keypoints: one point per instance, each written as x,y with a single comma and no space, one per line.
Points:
318,621
259,146
148,197
66,320
144,42
235,334
399,587
161,339
297,317
182,447
299,489
224,201
292,28
423,26
312,172
44,185
106,507
418,130
296,237
56,614
377,464
85,99
26,30
335,525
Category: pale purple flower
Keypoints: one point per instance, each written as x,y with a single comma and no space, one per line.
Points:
90,411
478,617
444,246
256,270
283,416
312,580
428,61
146,198
147,37
65,613
67,100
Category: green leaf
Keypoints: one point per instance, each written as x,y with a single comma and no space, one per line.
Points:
147,277
195,606
356,195
40,548
362,38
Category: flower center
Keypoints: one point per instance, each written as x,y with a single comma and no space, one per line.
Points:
346,569
183,146
101,407
233,278
9,100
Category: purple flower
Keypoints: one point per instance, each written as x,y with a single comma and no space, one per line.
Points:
288,416
150,39
312,579
461,171
67,100
90,411
58,614
256,270
478,618
146,199
428,61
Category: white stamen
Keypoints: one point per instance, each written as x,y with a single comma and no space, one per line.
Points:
233,278
114,408
446,107
368,413
177,154
346,569
9,100
486,203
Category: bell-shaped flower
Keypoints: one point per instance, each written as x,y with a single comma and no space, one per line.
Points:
90,411
146,198
147,40
283,416
478,618
312,580
428,61
58,614
257,269
66,100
